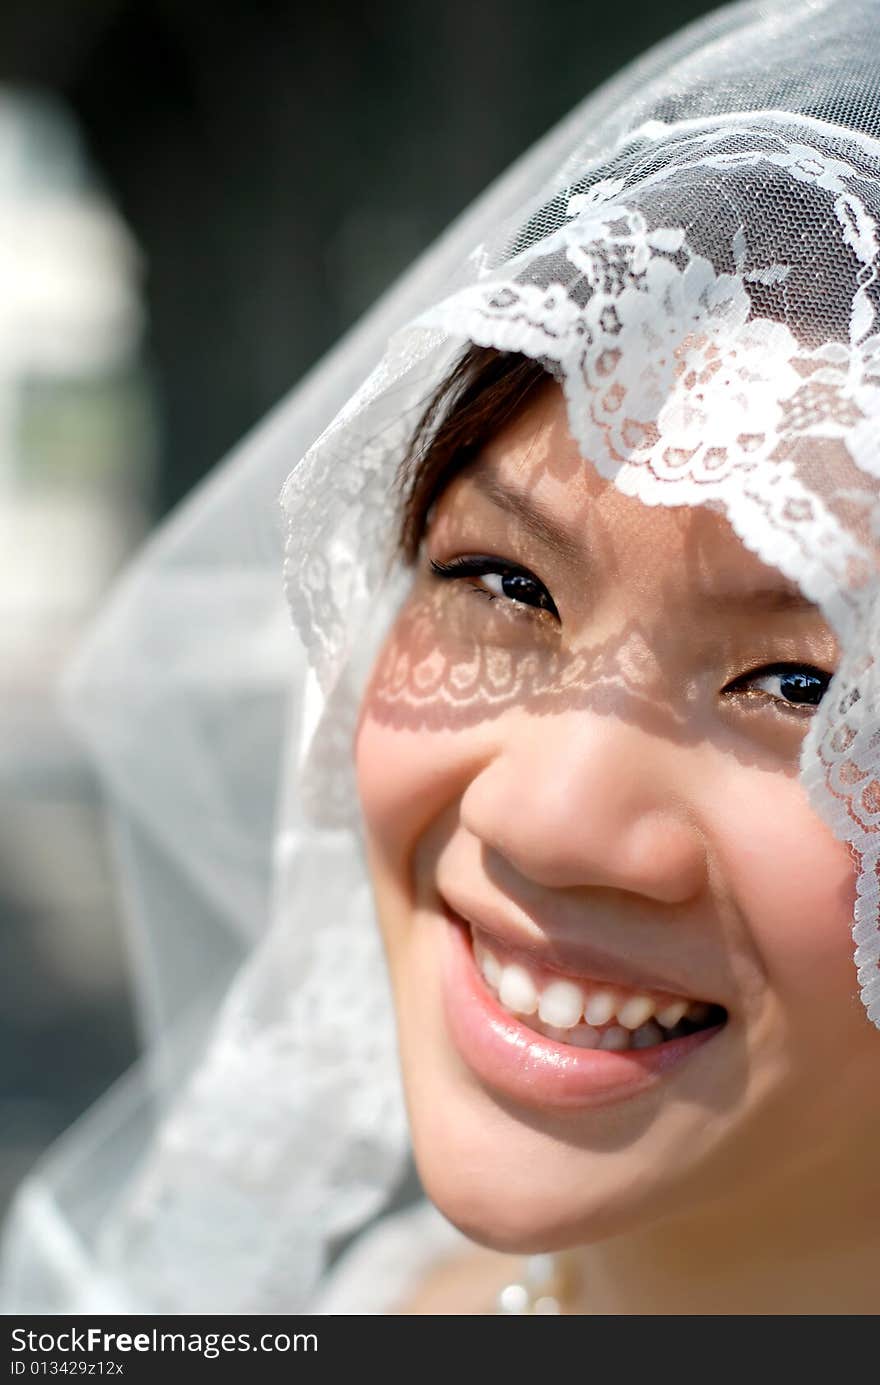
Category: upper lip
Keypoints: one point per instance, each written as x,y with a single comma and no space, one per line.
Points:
581,958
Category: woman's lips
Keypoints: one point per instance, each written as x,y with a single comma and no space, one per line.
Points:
515,1060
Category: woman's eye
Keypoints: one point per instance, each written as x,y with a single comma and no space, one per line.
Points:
795,687
499,579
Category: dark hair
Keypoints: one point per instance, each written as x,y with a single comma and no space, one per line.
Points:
479,394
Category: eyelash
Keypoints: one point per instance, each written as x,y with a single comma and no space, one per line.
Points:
480,565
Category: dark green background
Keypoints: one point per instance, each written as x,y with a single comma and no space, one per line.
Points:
279,163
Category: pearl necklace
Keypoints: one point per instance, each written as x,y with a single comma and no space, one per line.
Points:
539,1292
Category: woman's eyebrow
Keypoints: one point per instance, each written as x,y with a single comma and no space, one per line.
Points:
548,529
543,525
764,599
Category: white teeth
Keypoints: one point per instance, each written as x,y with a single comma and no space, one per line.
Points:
671,1014
634,1012
581,1035
490,967
561,1004
516,990
647,1035
600,1007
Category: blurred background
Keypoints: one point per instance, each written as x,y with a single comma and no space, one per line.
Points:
195,201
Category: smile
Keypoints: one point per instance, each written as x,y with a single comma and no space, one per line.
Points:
549,1040
587,1013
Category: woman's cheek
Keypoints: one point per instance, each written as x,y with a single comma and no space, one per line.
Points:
409,784
396,780
795,885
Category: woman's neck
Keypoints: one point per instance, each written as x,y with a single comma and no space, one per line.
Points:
774,1256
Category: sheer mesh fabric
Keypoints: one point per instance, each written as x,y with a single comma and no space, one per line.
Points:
694,253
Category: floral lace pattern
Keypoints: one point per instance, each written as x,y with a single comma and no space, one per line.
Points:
695,373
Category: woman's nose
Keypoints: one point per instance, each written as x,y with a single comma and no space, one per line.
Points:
582,799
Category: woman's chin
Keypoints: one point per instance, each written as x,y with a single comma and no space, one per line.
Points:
512,1188
521,1221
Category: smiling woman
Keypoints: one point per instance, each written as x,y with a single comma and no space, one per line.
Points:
577,803
584,717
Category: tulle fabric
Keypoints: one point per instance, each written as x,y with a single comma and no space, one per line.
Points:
693,252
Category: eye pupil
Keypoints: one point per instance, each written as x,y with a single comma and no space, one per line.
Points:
518,587
801,687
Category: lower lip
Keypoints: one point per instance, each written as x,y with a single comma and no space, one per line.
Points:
522,1064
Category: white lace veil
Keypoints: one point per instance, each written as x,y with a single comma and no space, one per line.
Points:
693,252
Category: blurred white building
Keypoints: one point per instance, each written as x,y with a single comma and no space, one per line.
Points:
75,428
77,442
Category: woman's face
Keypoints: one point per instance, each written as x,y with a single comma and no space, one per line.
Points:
579,759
